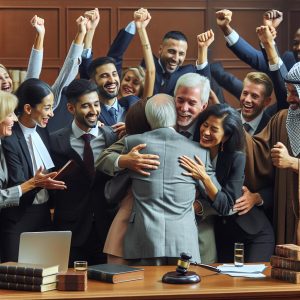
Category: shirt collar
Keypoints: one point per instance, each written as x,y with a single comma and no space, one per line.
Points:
79,132
253,123
115,105
26,130
191,129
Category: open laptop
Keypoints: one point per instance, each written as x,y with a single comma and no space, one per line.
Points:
46,247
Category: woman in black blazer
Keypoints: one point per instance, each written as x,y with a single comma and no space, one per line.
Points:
32,213
221,132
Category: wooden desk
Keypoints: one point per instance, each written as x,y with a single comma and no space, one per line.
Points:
212,286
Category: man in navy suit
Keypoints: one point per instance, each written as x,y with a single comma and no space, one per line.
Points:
169,63
248,54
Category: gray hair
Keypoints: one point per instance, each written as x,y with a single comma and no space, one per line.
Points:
160,111
194,80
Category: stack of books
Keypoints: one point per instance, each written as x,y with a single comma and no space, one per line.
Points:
28,277
286,263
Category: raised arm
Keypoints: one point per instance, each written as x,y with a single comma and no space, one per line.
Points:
277,69
36,56
241,48
93,17
142,18
72,61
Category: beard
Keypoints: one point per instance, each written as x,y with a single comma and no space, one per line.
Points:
107,95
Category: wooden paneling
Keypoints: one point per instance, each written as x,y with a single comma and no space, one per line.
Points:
191,17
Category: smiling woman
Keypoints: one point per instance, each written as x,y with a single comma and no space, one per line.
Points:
6,83
27,152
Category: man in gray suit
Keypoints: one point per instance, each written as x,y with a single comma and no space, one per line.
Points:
191,97
162,222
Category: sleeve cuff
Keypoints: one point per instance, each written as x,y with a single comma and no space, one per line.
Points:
116,165
232,38
276,66
201,66
75,51
131,28
20,191
86,53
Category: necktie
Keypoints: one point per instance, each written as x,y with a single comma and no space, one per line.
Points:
88,157
113,112
166,77
247,127
186,134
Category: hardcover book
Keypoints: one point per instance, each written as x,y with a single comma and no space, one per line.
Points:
28,269
288,250
115,273
36,280
285,263
286,275
28,287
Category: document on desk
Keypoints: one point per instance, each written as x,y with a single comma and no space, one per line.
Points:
250,271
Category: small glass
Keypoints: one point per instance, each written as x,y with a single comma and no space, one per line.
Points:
80,265
238,254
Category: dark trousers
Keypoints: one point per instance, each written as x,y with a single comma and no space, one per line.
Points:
33,218
258,247
91,250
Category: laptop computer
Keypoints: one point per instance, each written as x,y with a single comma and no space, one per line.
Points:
46,247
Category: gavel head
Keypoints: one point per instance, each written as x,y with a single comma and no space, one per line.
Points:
183,263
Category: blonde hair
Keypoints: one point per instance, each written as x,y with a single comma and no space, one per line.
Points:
261,78
8,103
139,72
2,67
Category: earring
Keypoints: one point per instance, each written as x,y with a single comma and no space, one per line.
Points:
222,147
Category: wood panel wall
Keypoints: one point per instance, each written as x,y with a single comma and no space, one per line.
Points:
190,16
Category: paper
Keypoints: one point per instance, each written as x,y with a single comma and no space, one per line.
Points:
250,271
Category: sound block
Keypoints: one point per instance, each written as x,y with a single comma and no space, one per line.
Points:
177,278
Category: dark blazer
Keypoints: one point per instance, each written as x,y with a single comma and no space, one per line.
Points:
62,117
230,174
289,58
25,217
226,80
19,162
257,59
83,202
106,118
165,82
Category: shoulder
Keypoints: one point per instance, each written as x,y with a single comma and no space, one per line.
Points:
60,132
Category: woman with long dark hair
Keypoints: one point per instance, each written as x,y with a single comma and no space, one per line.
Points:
221,132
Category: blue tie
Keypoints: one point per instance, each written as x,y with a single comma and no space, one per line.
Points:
113,112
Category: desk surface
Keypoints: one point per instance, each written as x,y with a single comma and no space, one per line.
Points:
212,286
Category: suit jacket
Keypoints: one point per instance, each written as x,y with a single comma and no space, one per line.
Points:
83,202
230,173
162,223
19,164
8,196
62,117
107,119
166,82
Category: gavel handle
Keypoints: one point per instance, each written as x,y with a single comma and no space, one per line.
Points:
208,267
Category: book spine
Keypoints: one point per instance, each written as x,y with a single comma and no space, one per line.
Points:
21,270
20,278
92,274
287,252
19,286
285,275
285,263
